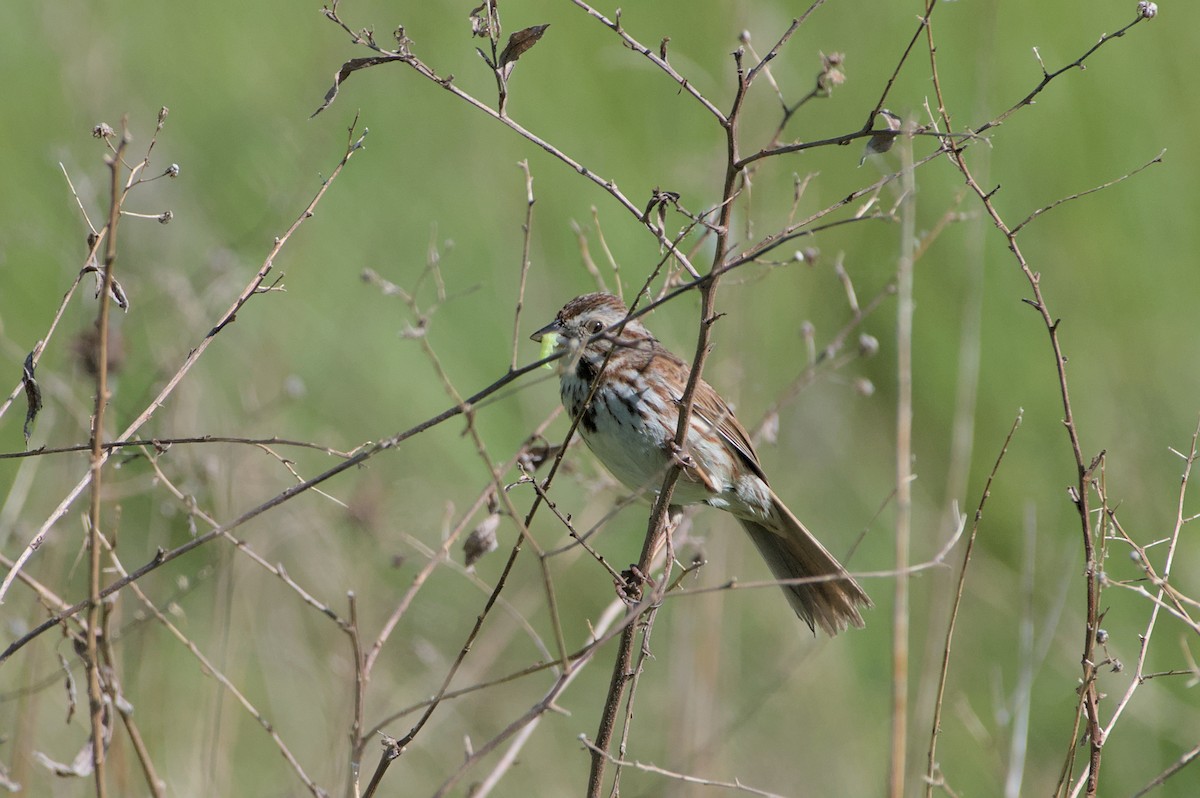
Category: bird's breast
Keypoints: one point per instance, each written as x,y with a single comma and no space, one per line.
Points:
629,427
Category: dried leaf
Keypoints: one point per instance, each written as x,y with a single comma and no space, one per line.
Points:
6,781
410,332
33,396
115,292
660,199
123,704
80,767
882,141
484,23
348,68
538,453
482,540
70,687
519,43
118,293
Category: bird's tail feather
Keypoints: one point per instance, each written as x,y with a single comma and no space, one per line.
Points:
833,599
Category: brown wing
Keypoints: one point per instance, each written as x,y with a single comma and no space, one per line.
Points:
713,410
709,406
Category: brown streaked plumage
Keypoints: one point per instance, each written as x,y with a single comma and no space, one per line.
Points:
630,425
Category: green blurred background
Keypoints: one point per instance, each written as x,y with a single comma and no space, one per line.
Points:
735,691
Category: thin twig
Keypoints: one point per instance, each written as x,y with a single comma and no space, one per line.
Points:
1081,491
932,768
526,237
1156,782
162,443
96,702
1156,159
608,186
155,784
658,59
275,570
615,610
1048,77
645,767
209,667
1140,676
251,290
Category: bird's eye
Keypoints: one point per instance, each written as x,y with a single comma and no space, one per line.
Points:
594,326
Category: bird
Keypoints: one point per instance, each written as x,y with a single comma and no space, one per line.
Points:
624,390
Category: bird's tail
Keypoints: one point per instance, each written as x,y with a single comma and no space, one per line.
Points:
791,551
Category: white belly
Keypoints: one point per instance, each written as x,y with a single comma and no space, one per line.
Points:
633,449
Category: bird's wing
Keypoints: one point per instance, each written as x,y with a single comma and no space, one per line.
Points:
712,409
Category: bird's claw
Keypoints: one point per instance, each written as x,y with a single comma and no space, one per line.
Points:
680,457
629,586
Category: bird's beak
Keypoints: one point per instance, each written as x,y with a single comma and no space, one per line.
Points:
550,340
553,328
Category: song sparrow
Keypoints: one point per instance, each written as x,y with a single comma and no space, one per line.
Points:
630,424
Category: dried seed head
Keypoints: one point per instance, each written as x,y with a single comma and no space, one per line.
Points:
807,255
482,540
831,73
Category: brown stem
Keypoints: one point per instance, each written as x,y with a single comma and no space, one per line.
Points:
608,715
1089,694
252,289
656,528
94,608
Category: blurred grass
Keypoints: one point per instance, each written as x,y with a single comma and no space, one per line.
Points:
729,694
